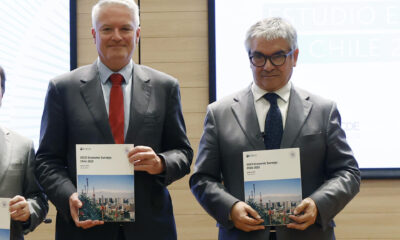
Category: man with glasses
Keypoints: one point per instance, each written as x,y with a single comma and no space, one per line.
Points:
272,113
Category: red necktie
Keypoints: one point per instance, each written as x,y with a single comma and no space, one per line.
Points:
116,111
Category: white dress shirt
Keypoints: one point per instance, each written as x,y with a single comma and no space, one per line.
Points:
262,105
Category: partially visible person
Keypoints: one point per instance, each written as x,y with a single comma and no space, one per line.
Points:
271,113
28,204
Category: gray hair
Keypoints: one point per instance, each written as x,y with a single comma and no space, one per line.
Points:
271,29
130,4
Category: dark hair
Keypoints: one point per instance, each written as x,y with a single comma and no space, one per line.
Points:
3,80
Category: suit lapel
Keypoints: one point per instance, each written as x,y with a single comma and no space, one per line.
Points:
5,151
92,93
299,109
140,98
245,113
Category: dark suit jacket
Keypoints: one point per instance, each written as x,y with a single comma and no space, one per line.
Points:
330,174
75,113
17,177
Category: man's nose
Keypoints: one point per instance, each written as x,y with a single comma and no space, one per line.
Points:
116,35
268,65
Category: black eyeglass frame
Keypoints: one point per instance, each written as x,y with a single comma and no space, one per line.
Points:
270,58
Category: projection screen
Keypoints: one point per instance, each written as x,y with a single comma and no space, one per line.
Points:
349,52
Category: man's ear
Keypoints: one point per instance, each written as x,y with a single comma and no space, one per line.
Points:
295,56
137,35
94,35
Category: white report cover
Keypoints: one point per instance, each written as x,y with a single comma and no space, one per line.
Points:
105,182
272,183
4,219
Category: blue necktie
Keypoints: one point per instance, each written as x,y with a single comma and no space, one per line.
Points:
273,129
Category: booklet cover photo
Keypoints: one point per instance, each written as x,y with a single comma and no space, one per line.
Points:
272,183
105,183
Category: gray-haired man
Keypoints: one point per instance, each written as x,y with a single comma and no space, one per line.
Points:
237,123
80,109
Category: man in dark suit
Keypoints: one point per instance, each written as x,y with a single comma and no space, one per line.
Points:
28,204
292,118
86,106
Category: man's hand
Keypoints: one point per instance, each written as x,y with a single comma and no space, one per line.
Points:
246,218
145,159
19,209
74,205
308,214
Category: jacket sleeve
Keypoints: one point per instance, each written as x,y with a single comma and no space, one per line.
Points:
51,162
177,152
342,173
206,181
33,193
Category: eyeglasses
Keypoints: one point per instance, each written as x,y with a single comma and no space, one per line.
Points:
259,60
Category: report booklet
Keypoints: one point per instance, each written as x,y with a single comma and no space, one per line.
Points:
105,182
272,183
4,219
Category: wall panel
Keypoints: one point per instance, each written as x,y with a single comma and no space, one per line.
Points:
189,74
164,50
173,6
174,24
